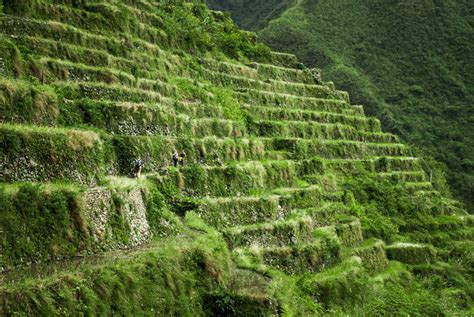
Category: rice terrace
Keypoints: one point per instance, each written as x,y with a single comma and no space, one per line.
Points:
159,160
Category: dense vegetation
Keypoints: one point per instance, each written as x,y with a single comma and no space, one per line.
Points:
289,201
250,14
410,63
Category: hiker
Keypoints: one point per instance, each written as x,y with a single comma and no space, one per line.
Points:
202,157
175,158
182,157
137,169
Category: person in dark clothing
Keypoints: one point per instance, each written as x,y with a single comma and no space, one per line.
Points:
137,169
182,157
175,158
202,157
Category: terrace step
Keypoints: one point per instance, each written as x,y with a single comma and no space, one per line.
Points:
246,304
54,30
285,60
101,18
156,151
335,149
275,99
129,118
375,165
442,223
295,89
249,282
336,285
325,215
349,231
278,233
316,256
295,75
115,92
48,47
404,176
300,197
441,239
232,211
341,284
284,114
418,186
60,70
238,179
278,155
42,154
116,117
107,49
372,253
137,63
411,253
75,15
263,72
396,164
138,119
312,130
225,212
38,104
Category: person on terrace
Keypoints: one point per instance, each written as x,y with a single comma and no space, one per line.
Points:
137,169
175,158
182,156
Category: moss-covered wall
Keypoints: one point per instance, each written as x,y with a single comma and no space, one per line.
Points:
55,222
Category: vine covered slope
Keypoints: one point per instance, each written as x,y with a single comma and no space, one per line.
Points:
290,201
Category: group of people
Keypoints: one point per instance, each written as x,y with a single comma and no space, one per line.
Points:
177,159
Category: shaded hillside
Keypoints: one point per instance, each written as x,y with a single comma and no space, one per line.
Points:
411,63
250,14
156,161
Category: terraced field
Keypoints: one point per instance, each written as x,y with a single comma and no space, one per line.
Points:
269,147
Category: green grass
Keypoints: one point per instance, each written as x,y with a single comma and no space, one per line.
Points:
169,277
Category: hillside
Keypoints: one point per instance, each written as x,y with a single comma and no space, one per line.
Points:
290,201
260,14
410,63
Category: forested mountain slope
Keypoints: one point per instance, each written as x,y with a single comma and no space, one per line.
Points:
411,63
253,14
287,200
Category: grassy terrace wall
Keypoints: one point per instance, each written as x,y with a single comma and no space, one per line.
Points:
290,201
